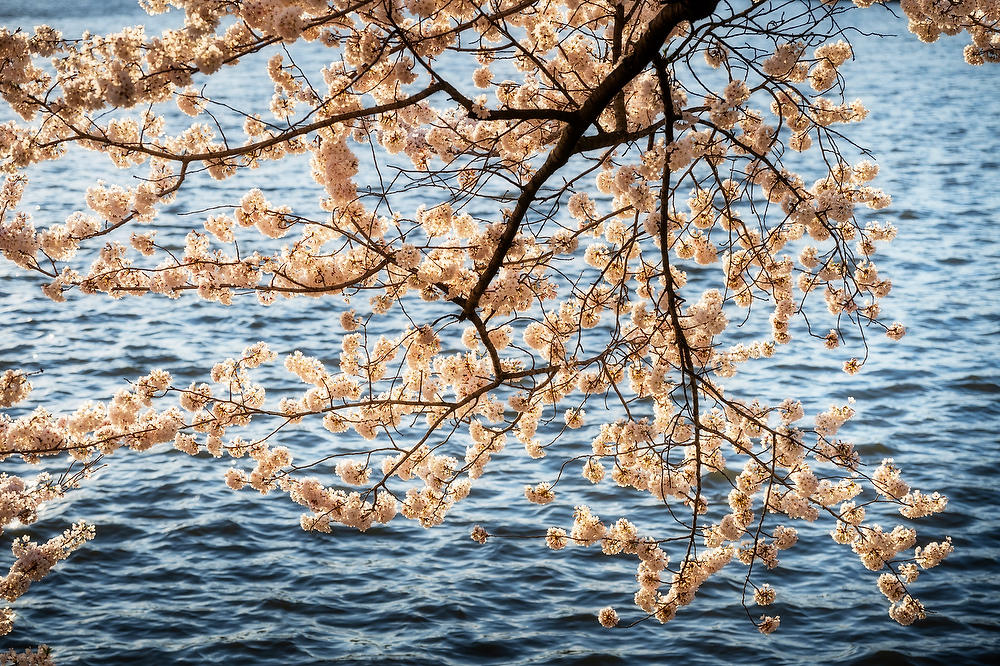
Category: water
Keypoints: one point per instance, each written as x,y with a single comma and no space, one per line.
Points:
185,571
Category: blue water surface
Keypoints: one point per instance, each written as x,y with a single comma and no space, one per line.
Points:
185,571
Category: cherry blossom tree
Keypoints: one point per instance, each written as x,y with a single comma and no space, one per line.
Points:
642,162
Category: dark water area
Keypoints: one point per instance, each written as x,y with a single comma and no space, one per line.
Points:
185,571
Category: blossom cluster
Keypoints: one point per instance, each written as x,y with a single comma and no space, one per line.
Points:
592,223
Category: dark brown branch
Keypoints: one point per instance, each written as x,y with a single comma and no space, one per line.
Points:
688,369
642,54
266,143
616,54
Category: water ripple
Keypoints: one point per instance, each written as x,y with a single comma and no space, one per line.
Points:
185,572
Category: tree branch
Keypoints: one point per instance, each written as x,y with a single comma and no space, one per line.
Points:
628,68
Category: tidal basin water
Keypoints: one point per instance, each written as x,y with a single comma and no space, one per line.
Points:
185,571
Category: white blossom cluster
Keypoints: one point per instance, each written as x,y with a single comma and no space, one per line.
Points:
595,220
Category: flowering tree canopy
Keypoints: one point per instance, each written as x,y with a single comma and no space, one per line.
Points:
607,192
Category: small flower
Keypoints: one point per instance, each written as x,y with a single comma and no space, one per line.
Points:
608,617
348,321
480,112
593,471
768,623
555,538
574,417
479,534
235,479
764,595
540,494
890,586
896,331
